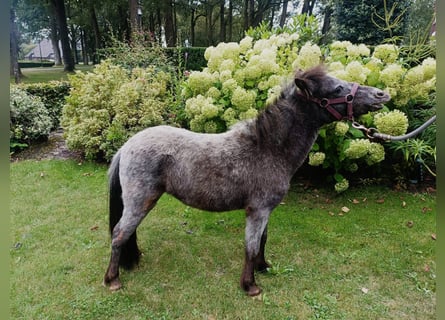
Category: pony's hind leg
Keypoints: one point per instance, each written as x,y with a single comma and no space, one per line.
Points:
135,210
256,224
260,263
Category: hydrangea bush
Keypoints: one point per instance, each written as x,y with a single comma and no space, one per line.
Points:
242,78
105,107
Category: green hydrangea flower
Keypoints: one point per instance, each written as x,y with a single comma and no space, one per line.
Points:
376,153
341,128
357,148
393,122
316,158
341,186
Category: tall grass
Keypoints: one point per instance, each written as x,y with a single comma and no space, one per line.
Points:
376,261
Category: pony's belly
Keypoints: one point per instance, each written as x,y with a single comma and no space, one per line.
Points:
211,201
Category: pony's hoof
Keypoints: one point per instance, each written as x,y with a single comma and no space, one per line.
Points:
253,291
263,267
114,285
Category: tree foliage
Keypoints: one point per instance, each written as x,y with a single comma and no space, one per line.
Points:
367,21
92,25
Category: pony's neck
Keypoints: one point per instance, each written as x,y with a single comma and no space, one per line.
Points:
288,128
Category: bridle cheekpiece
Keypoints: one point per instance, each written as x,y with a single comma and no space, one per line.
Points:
328,103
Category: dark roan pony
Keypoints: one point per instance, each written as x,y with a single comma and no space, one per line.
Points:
248,167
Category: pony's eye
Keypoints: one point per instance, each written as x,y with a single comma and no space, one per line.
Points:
338,90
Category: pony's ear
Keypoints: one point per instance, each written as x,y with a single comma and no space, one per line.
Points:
304,84
307,81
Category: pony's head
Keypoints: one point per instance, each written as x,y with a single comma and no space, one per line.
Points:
337,98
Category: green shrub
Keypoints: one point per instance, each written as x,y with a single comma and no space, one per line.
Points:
110,104
29,119
53,95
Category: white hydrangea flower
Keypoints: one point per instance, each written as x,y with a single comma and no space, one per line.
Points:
225,75
309,56
336,66
243,99
246,44
248,114
199,82
229,86
429,68
388,53
227,65
356,72
213,93
392,75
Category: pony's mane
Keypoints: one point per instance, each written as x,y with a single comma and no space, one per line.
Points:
272,125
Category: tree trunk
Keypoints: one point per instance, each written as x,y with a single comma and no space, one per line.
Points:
246,14
251,13
326,23
96,30
308,7
152,24
133,8
192,27
54,38
222,22
14,48
159,23
73,41
230,21
84,47
272,17
209,23
283,13
59,9
169,26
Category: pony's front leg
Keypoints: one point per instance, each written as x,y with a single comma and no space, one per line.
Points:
256,223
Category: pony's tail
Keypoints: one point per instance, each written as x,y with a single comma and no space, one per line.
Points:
130,253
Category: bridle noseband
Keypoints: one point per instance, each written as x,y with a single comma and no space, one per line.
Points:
327,103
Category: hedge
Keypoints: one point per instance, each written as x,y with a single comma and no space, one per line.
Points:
52,94
35,64
191,58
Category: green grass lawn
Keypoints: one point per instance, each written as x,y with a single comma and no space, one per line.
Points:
376,261
45,74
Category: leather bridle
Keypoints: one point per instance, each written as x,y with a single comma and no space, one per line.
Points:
328,103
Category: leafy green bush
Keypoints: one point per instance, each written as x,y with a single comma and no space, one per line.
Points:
107,106
52,94
242,78
29,119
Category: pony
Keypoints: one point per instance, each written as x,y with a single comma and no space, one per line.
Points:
248,167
